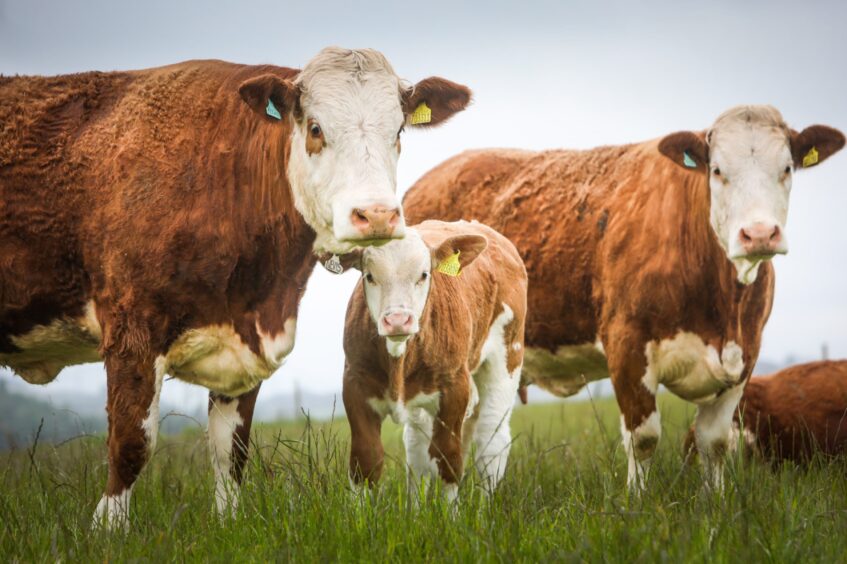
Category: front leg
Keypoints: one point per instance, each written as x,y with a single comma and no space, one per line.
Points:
230,420
446,446
133,387
711,432
366,450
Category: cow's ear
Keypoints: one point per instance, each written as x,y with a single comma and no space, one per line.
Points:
270,96
814,145
433,101
688,149
461,249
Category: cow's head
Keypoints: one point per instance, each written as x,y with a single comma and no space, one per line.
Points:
397,278
347,109
750,156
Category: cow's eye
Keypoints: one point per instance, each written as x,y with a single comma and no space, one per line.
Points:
399,131
369,278
716,171
787,169
315,130
424,276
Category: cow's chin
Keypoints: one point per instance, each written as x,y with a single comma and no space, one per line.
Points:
329,243
747,266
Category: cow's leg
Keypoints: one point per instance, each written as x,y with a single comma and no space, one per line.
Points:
711,431
133,386
417,437
492,437
640,423
446,446
366,451
229,442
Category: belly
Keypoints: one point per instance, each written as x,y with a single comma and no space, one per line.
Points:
46,349
567,370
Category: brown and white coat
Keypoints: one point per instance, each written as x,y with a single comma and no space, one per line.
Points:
647,262
164,221
440,354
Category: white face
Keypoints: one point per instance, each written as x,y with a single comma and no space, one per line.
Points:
343,162
750,176
397,278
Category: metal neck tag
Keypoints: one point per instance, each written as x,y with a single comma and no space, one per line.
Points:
333,264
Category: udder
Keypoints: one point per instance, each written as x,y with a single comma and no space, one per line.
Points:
567,370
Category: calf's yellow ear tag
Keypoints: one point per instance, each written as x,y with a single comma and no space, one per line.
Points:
811,158
422,114
450,266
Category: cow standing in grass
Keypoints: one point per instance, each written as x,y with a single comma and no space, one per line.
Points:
165,220
647,262
434,338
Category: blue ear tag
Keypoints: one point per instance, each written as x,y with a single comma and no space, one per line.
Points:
688,161
272,111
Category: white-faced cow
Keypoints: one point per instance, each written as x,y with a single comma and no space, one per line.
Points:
434,338
649,262
164,221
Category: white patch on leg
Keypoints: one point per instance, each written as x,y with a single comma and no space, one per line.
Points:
640,444
223,420
112,511
150,424
496,388
712,432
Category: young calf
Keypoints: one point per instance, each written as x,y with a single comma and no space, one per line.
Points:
439,352
793,413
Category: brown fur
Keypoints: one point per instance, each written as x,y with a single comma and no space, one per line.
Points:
618,246
158,195
796,412
441,357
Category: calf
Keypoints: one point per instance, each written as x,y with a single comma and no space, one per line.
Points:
164,221
794,413
647,262
437,348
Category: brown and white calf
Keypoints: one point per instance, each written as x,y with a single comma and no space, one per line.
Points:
647,262
164,220
792,414
441,354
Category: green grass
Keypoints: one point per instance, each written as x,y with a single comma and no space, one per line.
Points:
563,498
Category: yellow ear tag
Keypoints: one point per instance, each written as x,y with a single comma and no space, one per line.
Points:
422,114
811,158
450,266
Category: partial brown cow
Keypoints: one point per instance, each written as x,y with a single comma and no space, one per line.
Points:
164,220
649,262
792,414
434,338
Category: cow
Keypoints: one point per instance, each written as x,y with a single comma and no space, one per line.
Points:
792,414
166,221
648,262
434,338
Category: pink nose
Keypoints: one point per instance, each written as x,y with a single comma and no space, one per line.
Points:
760,239
397,323
375,222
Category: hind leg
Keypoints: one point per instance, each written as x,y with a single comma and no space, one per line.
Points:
492,437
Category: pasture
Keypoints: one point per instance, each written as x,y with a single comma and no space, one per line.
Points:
563,499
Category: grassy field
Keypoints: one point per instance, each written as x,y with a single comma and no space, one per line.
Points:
563,498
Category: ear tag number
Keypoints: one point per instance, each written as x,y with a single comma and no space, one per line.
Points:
450,266
811,158
333,264
422,114
688,161
272,111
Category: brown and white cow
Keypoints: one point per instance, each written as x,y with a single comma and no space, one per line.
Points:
164,221
649,262
439,353
792,414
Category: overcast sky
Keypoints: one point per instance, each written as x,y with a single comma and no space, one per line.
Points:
544,74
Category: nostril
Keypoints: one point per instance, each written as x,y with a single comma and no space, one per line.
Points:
776,235
745,238
395,218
